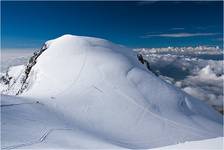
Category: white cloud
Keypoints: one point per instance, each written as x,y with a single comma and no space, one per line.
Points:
179,35
183,67
13,57
177,28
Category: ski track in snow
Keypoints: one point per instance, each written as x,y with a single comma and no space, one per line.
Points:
78,76
155,115
165,120
98,89
178,125
40,140
8,105
47,133
175,124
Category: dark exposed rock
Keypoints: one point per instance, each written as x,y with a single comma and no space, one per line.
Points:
5,80
143,61
140,58
32,61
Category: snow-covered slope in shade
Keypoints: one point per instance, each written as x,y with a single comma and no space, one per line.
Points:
103,89
209,144
27,123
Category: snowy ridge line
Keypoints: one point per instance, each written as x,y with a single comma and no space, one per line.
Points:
161,118
40,140
103,98
175,124
7,105
32,61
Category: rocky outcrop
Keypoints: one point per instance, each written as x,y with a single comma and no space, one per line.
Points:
31,63
146,62
14,81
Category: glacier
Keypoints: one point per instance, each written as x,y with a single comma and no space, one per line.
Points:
85,92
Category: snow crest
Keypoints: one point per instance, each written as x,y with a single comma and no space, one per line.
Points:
101,88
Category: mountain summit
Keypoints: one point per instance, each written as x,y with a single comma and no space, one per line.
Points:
102,89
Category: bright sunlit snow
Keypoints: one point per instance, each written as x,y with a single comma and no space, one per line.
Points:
84,92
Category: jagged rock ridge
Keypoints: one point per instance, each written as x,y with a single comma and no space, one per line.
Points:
16,84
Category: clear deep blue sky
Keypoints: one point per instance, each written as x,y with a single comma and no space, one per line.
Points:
134,24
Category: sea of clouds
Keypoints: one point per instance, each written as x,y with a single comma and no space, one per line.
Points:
14,57
196,70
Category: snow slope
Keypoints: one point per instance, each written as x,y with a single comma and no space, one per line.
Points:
102,89
27,123
210,144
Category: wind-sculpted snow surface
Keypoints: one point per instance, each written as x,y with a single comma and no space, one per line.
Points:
101,89
27,123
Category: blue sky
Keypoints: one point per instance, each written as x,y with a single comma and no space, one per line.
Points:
134,24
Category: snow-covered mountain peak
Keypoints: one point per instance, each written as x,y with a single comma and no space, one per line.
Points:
69,57
69,40
57,58
103,89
